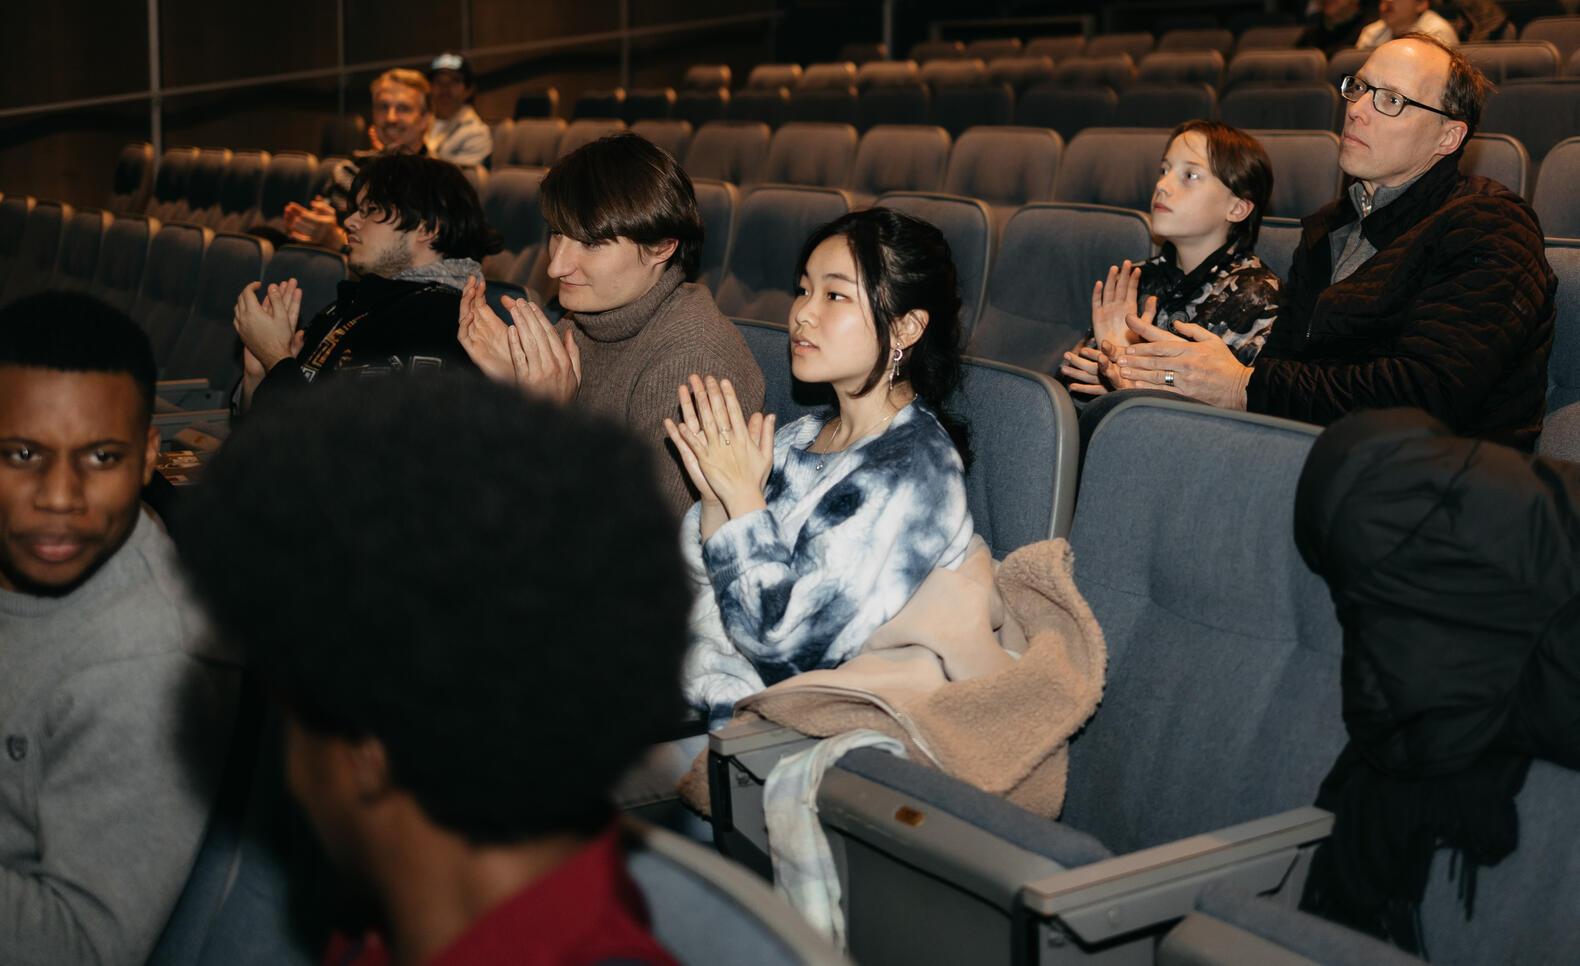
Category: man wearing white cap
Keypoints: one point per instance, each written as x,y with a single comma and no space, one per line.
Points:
457,134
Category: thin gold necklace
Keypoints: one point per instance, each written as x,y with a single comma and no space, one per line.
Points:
823,457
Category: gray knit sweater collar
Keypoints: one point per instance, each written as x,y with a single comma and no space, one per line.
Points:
447,271
620,324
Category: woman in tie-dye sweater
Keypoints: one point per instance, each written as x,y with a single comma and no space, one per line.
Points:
806,540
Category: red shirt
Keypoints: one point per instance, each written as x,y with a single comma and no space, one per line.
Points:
586,911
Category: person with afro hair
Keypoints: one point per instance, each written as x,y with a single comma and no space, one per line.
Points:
473,628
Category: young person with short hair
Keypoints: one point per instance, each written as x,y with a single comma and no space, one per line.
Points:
115,702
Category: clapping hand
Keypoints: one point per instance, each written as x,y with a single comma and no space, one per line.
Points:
268,328
316,225
1190,361
546,364
1113,300
483,335
727,456
1084,370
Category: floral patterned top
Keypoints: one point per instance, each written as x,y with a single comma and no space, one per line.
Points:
1231,294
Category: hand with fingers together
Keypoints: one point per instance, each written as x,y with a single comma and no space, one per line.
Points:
727,456
268,328
546,364
484,336
1113,300
1190,361
1104,360
315,225
1084,370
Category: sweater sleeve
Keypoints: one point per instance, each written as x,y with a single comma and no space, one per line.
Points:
130,757
1475,310
869,543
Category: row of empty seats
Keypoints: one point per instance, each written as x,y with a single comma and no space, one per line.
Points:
215,187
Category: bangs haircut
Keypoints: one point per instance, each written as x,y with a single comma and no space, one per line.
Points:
624,186
412,191
71,332
1241,163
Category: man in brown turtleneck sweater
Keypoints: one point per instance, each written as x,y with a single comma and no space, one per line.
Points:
626,237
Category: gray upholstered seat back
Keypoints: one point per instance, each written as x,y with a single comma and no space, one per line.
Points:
38,252
1181,67
535,140
716,203
1503,159
134,179
671,135
511,206
207,346
1205,38
318,272
586,131
900,157
170,182
731,151
1165,105
1514,60
1276,67
772,225
1067,110
175,260
817,155
240,191
1557,197
1039,301
1005,166
967,224
1306,171
1222,698
1307,107
79,250
1561,32
1561,428
1276,244
1113,167
122,258
1540,113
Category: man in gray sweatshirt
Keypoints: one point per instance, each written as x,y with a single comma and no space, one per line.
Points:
114,704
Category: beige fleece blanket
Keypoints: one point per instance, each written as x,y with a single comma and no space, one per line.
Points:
935,678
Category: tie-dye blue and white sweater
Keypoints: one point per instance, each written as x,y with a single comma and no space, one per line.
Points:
844,542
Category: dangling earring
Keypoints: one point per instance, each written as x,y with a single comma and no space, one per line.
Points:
894,371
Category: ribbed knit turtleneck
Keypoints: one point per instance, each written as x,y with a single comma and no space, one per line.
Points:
619,324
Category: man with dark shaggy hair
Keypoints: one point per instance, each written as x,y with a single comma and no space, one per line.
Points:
416,236
114,701
1419,286
474,627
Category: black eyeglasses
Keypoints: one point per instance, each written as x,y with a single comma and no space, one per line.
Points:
1387,102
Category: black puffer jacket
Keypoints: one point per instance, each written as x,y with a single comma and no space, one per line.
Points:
1455,569
1454,314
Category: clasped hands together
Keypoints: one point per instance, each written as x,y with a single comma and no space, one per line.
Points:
530,354
727,455
1133,352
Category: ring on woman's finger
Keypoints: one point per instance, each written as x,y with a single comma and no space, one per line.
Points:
725,439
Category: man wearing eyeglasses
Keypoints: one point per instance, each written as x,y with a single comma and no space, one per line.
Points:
1418,286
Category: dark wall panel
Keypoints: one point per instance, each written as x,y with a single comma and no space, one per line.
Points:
206,41
69,49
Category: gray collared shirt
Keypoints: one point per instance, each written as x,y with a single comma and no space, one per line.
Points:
1348,244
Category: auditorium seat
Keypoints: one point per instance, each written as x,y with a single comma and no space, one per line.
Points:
1164,105
704,93
731,151
1182,67
1562,32
1068,111
765,104
79,250
1116,71
817,155
1005,167
1214,39
649,104
864,53
671,135
536,141
954,73
318,274
1116,167
289,177
1276,242
835,75
1514,60
600,104
1057,48
13,225
899,157
1270,37
1039,296
888,73
170,277
1302,66
170,182
967,224
200,205
38,252
1561,427
1021,73
772,224
963,96
1345,62
894,104
716,203
1539,113
537,103
1198,686
586,131
134,179
784,396
477,176
1306,172
990,49
1231,926
938,50
206,346
767,77
1573,69
824,105
1557,196
240,192
511,207
1307,107
1501,158
123,257
502,131
1133,45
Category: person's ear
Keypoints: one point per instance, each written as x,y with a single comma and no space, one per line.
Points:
1452,137
907,329
1239,210
367,766
425,235
150,453
660,251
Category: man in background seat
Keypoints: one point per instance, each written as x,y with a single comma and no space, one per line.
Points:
457,134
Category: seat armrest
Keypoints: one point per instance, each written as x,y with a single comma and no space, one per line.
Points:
740,757
1234,926
1107,899
165,386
